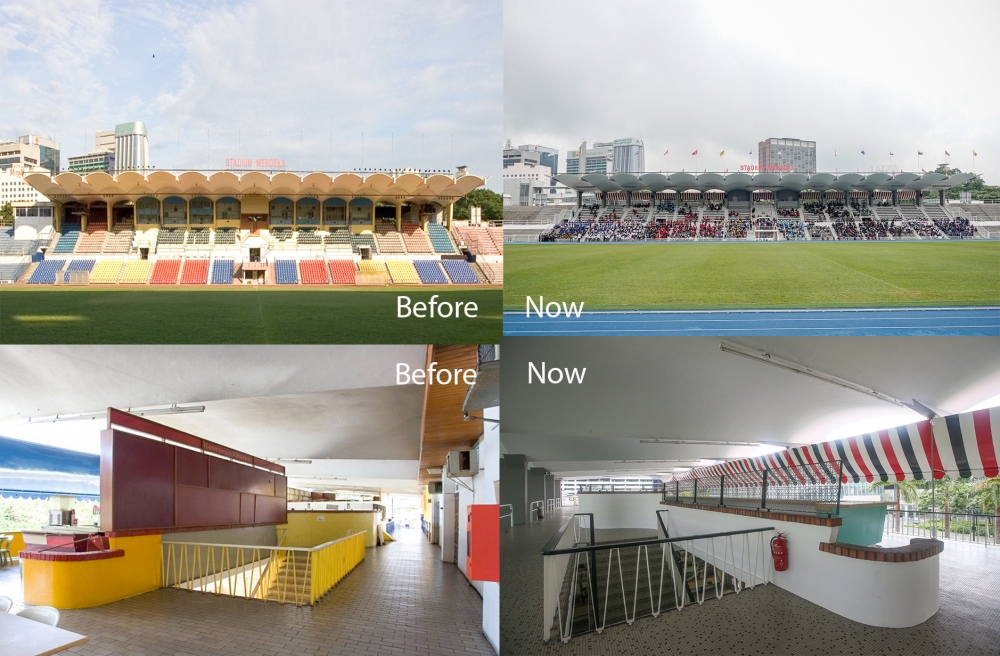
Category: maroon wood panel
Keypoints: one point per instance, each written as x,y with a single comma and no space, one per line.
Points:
270,510
280,486
192,468
142,482
200,506
227,475
247,503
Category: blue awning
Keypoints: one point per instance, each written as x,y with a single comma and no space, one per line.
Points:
21,455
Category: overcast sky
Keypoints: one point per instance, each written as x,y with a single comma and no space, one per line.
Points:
875,76
261,79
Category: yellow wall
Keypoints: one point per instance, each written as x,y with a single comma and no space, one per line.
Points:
425,503
305,530
87,583
16,544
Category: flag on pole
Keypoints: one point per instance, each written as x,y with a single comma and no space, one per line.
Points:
750,153
666,151
834,153
891,154
920,152
862,152
695,152
947,154
975,154
721,153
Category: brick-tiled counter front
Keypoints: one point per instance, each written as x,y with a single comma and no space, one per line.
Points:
918,549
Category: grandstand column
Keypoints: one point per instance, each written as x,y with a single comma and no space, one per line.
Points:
628,199
59,215
451,213
871,198
373,216
579,199
604,200
399,217
895,197
941,197
920,197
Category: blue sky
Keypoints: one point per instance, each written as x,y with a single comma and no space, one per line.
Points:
294,80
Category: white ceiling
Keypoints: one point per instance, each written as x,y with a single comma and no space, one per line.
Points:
685,388
338,406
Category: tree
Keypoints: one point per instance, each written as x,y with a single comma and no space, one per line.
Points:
979,189
490,201
7,214
989,497
908,491
948,486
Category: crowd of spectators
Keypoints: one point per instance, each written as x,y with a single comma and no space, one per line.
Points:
922,228
820,233
960,228
846,230
837,210
665,207
736,228
710,230
791,229
785,212
871,229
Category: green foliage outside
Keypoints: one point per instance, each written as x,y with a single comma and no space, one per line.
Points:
754,275
490,201
21,514
250,315
979,189
7,215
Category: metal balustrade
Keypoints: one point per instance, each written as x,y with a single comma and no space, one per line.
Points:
577,598
958,526
296,575
807,489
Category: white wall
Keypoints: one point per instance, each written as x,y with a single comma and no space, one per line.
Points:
484,492
622,510
892,595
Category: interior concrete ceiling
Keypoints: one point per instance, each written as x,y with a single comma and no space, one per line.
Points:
337,406
686,389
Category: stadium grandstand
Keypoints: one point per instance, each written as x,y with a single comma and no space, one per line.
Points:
236,228
761,207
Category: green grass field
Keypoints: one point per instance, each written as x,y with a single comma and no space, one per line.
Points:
238,316
754,275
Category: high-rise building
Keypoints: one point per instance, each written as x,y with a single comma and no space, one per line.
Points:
591,160
19,155
546,156
777,155
618,156
92,162
131,147
629,156
48,151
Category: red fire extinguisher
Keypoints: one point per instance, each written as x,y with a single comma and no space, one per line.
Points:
779,552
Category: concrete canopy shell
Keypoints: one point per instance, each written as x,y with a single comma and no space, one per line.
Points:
439,188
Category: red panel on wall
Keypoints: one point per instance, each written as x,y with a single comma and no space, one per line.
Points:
270,510
247,502
199,506
192,468
483,543
226,475
142,483
280,486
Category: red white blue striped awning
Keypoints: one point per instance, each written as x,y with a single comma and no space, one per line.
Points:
959,446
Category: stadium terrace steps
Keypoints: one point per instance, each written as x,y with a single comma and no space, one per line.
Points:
439,238
165,272
225,236
342,272
222,272
430,272
390,242
194,272
493,271
106,272
286,272
314,272
402,272
309,238
371,266
46,271
12,272
77,265
119,241
357,241
136,272
66,243
416,240
460,272
92,242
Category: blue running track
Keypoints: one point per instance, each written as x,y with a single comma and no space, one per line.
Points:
896,321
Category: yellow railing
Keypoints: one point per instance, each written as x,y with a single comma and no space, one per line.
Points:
284,574
333,561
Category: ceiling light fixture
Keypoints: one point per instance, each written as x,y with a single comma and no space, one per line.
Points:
703,442
172,409
767,358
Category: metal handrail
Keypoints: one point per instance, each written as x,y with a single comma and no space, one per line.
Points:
750,568
511,515
535,505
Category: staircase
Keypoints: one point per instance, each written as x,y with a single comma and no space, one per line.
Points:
291,584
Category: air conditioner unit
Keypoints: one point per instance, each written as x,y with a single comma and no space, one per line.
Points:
434,487
463,464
